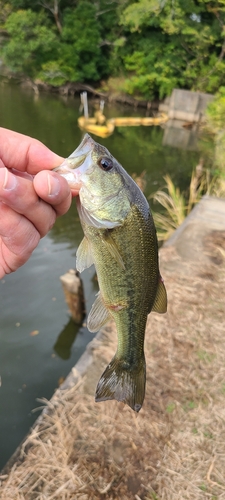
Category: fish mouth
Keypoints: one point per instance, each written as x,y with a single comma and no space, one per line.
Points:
69,169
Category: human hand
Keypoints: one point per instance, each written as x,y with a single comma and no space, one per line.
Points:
31,197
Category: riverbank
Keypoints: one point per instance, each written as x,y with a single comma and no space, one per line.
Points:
72,89
175,447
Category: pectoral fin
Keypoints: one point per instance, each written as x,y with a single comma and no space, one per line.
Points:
160,304
113,250
84,257
98,316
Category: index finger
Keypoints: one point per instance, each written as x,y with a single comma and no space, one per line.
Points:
25,153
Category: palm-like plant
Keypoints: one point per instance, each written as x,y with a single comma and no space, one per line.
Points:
176,205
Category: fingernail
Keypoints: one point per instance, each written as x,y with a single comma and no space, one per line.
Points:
53,185
10,180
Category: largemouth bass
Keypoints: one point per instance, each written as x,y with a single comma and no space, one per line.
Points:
120,240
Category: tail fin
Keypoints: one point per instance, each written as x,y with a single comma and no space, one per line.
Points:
123,383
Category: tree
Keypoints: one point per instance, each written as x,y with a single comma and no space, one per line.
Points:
53,7
31,42
174,43
80,54
152,45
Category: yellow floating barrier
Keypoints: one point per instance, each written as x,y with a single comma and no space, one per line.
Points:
92,127
127,121
104,128
136,121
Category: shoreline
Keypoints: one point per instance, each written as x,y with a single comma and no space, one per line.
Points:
72,89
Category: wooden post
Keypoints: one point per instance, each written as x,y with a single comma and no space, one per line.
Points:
84,102
74,294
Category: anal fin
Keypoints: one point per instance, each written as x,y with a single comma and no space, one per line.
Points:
160,304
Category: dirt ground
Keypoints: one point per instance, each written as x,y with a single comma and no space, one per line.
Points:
174,449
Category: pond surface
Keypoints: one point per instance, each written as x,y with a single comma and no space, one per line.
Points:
39,343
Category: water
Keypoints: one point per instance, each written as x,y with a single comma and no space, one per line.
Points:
39,343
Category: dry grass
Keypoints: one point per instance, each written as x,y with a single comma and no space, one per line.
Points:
174,449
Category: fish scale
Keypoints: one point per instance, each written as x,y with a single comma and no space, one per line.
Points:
120,239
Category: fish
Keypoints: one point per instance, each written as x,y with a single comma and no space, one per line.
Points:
120,240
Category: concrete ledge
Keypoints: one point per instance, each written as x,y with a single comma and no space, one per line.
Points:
192,237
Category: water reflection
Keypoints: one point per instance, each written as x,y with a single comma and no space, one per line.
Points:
181,135
142,148
66,339
68,228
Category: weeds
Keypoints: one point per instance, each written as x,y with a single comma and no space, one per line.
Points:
178,205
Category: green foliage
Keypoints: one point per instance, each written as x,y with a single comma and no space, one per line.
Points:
184,45
215,124
173,202
80,42
5,11
86,40
154,45
215,113
54,73
178,205
78,55
151,70
31,42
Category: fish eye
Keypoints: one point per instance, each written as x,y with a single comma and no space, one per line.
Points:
105,163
